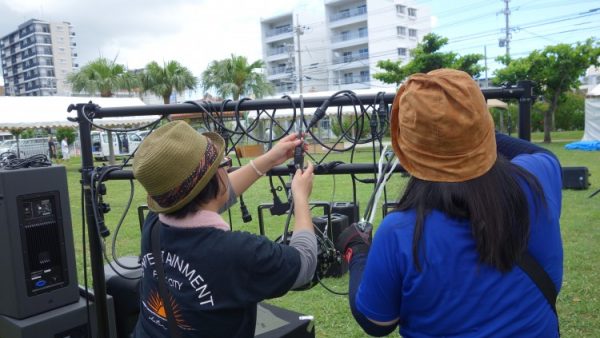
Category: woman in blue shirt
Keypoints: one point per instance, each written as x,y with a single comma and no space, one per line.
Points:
446,262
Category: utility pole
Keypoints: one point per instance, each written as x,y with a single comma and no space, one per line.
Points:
486,67
299,30
506,41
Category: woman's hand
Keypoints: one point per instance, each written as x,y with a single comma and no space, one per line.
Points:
302,183
284,149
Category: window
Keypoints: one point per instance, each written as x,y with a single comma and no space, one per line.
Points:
347,78
325,123
345,35
347,56
412,12
344,13
362,32
362,9
412,33
364,76
400,9
402,52
363,53
135,138
401,30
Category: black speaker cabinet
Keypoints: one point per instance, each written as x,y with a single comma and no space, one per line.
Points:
346,208
124,287
575,178
68,321
36,242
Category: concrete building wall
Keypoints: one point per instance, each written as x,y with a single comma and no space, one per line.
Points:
342,42
62,52
280,35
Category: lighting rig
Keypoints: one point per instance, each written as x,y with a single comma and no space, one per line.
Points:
369,115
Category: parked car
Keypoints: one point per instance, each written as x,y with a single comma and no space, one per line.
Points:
123,144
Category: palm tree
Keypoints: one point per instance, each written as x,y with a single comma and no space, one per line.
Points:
102,76
105,77
162,81
235,77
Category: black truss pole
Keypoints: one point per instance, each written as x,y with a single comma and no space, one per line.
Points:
525,102
96,259
251,105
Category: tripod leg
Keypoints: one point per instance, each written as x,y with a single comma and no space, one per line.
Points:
594,194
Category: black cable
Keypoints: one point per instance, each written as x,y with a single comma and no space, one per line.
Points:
34,161
118,228
331,290
97,217
94,106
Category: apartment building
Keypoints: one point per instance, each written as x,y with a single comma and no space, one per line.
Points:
37,57
340,44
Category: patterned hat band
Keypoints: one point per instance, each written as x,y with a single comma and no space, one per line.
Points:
182,190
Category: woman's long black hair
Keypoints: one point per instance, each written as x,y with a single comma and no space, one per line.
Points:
494,203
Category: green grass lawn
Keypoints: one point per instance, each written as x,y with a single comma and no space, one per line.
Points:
578,302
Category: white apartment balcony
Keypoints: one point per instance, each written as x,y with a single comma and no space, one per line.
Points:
277,34
354,60
278,53
349,17
349,39
352,82
278,73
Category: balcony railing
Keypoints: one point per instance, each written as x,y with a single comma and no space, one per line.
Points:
350,58
279,30
349,36
31,76
348,14
355,79
276,51
280,70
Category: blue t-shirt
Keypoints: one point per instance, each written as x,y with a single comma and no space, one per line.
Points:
216,279
453,295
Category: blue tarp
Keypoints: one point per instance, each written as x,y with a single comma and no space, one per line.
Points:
584,145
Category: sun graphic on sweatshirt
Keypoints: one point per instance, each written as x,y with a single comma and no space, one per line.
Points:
156,305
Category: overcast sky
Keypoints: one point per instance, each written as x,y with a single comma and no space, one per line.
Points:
197,32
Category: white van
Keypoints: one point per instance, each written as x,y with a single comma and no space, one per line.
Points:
123,144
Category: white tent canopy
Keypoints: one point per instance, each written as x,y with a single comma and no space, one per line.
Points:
24,112
592,115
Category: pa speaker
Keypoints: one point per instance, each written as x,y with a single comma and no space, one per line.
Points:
36,242
124,287
575,178
346,208
68,321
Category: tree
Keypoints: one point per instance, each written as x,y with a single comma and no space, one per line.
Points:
555,70
102,76
69,133
235,77
162,81
427,57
